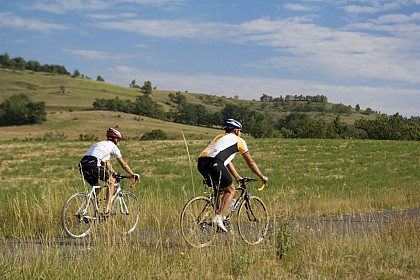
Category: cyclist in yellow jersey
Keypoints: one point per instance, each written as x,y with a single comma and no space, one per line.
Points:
216,167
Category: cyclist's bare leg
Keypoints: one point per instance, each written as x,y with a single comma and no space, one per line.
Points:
109,193
228,194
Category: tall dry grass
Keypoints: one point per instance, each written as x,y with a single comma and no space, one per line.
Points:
307,180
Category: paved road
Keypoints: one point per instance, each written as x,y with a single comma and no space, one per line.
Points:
363,223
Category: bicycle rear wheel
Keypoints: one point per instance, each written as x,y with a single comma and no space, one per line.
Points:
125,212
196,222
78,215
252,220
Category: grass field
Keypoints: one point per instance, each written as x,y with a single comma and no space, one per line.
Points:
72,124
308,178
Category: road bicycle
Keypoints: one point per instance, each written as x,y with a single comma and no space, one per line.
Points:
251,219
81,210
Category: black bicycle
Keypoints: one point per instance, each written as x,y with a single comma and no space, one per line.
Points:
251,219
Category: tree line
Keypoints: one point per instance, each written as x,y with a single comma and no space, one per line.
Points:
263,125
19,110
18,63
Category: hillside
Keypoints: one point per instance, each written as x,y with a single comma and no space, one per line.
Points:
69,104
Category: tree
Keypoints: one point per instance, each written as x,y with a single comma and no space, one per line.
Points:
262,127
76,74
100,79
5,60
20,110
298,125
33,65
133,84
18,63
147,88
177,98
145,106
266,98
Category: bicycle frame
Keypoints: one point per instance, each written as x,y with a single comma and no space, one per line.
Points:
251,219
81,210
91,195
243,195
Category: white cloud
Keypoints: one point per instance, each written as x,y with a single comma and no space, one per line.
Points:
158,3
13,21
92,54
64,6
173,28
111,16
299,7
337,53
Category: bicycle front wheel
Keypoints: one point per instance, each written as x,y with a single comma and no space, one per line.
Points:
78,215
125,212
196,222
252,220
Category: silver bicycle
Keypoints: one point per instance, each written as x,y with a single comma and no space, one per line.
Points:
81,210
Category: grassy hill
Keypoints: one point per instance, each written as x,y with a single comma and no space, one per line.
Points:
69,103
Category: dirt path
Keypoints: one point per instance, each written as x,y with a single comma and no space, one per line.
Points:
347,225
362,223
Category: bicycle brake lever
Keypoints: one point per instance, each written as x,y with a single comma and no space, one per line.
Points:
134,184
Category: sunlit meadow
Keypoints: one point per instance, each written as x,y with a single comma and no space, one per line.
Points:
307,179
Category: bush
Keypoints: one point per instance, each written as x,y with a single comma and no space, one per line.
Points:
20,110
52,136
88,137
155,134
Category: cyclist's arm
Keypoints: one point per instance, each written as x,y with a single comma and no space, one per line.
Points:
253,166
108,166
233,171
125,166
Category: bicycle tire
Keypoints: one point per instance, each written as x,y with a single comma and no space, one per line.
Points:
196,222
125,212
78,215
252,220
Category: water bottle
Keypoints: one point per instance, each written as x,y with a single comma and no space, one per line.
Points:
232,205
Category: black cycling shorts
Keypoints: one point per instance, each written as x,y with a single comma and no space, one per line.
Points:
91,172
214,172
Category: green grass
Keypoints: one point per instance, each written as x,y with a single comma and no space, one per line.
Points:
74,123
81,93
308,178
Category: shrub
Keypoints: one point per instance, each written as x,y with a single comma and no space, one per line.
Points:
155,134
52,136
88,137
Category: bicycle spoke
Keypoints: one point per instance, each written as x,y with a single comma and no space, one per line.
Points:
253,220
78,215
125,213
196,222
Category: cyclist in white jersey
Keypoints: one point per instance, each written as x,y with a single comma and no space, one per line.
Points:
216,167
95,164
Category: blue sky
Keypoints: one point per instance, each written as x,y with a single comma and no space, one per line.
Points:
362,52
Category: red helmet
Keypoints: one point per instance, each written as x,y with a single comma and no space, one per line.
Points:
113,133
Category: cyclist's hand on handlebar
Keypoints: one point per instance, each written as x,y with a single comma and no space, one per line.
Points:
265,179
136,176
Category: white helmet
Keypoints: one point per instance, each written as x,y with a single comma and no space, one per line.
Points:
231,124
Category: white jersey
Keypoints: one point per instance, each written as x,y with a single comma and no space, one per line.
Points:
224,147
103,151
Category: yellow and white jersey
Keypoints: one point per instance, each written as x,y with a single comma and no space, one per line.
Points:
224,147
